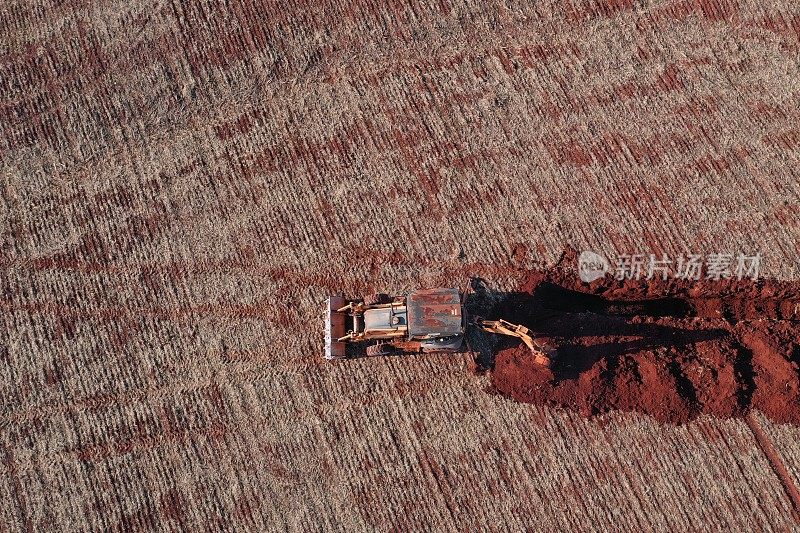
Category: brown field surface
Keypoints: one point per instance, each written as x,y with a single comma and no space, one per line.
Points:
183,183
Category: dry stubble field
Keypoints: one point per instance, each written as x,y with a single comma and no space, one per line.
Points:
184,182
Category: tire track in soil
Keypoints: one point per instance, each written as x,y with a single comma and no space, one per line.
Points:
768,449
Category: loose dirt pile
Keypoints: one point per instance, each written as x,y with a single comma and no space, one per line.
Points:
671,349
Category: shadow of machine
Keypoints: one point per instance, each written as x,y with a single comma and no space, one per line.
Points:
559,317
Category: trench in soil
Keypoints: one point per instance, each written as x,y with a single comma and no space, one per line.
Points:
670,349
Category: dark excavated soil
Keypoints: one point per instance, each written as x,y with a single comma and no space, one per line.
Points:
670,349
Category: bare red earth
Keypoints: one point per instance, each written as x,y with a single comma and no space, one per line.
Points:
670,349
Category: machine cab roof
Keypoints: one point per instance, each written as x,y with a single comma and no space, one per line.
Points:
434,312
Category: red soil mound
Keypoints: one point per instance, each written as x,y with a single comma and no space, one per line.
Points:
670,349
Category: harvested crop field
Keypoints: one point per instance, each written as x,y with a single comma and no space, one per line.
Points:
184,183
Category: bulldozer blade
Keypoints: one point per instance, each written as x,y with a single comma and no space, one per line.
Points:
334,328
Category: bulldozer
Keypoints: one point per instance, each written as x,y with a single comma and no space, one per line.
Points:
427,320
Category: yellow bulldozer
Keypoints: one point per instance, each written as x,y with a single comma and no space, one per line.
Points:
428,320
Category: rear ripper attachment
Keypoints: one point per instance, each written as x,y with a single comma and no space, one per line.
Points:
429,320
